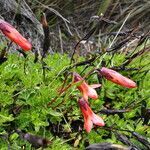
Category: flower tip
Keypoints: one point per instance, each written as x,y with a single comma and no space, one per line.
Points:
88,130
27,46
133,85
102,124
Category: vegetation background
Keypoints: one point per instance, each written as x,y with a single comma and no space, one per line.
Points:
83,34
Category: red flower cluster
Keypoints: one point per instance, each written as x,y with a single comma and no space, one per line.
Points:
90,117
9,31
88,91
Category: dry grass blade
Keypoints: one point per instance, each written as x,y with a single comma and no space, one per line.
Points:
53,10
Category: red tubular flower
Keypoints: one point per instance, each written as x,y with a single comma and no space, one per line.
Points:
9,31
85,89
117,78
90,117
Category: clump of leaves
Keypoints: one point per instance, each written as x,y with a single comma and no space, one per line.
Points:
25,96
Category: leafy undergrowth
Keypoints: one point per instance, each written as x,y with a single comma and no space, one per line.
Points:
31,102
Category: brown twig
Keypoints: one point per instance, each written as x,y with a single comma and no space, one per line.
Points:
46,43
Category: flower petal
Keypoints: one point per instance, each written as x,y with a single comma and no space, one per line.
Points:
88,124
97,120
94,86
92,93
